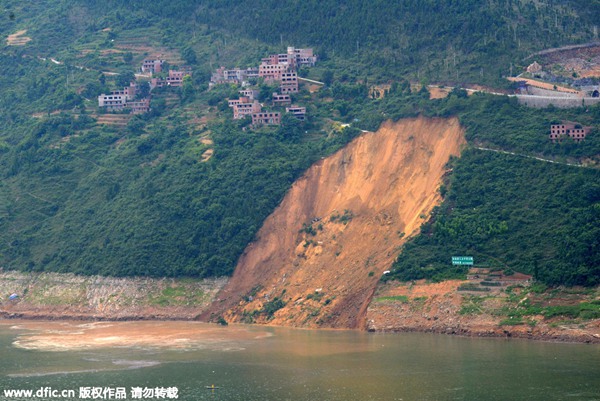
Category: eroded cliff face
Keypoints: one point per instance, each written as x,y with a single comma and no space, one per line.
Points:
357,207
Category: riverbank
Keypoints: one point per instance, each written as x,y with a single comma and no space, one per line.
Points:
513,312
55,296
395,307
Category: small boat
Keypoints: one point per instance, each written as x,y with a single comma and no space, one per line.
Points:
212,387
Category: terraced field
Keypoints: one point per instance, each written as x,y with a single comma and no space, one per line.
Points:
119,120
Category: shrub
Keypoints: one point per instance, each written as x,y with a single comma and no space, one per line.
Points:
398,298
512,321
271,307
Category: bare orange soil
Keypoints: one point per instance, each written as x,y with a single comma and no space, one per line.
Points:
17,38
544,85
436,92
440,308
385,183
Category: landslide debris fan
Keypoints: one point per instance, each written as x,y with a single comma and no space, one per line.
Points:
319,255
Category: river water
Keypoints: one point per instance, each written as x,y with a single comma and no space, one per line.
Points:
265,363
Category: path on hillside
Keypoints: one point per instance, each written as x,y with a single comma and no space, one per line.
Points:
80,67
563,48
471,91
530,157
311,81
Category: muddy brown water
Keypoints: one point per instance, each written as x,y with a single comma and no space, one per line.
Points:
267,363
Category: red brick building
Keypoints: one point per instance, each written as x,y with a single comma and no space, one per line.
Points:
568,129
271,72
266,118
175,79
139,107
242,99
289,82
249,93
152,66
281,100
242,110
303,56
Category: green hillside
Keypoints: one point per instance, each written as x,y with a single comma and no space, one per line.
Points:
512,213
86,192
420,39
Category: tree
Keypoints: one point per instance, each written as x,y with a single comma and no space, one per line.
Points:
459,93
142,90
125,77
266,91
136,125
187,89
327,77
189,55
290,128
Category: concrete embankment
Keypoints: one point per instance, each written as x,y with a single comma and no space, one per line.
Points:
556,101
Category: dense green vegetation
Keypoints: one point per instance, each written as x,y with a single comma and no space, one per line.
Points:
147,206
512,210
507,211
137,199
432,39
455,41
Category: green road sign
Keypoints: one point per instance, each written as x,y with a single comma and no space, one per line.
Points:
462,260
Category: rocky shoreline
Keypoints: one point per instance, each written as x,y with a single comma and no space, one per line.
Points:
499,332
53,296
396,307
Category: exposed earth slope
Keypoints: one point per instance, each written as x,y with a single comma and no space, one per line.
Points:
502,312
317,259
